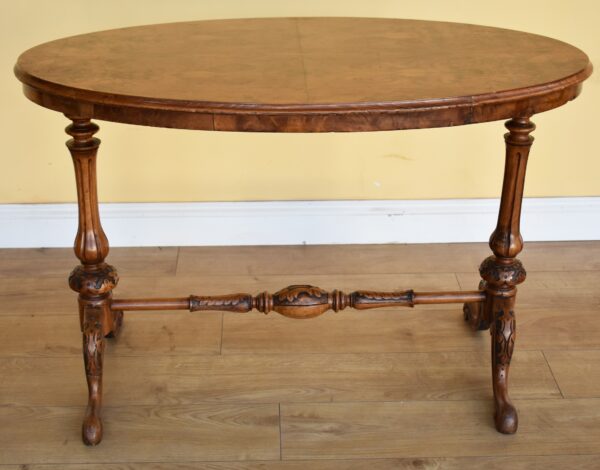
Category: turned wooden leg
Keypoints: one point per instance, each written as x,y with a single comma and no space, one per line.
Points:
93,279
502,272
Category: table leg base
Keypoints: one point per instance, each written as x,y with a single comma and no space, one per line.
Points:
475,314
117,324
91,430
506,418
93,357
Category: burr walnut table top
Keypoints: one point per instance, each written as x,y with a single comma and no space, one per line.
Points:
303,74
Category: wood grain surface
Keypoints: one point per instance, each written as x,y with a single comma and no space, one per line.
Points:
391,389
303,74
385,429
537,462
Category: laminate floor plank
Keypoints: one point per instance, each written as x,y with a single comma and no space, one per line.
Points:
27,296
549,462
436,429
53,296
399,258
155,380
59,262
143,334
542,280
577,372
554,326
406,330
141,433
391,388
329,259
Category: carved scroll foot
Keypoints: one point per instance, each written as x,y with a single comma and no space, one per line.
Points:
503,341
506,418
93,352
91,431
475,313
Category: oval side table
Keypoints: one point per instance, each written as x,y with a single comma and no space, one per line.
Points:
302,75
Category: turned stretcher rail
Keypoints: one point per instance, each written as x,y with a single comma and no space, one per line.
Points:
298,301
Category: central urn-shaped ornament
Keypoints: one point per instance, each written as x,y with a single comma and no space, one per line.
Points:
302,301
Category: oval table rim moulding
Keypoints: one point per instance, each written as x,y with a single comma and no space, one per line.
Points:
374,43
320,116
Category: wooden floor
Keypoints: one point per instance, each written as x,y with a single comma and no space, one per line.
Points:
387,389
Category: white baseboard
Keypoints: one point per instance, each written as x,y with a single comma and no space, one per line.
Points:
299,222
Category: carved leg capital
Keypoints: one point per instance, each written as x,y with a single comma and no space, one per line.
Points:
95,285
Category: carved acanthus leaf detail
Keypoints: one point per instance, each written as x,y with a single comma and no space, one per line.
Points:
502,275
231,302
504,336
93,282
93,342
301,293
301,301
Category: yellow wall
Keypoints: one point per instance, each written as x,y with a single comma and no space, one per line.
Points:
145,164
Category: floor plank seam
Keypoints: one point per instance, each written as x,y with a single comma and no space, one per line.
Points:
460,286
222,328
250,462
280,434
270,354
552,373
176,262
265,403
424,457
